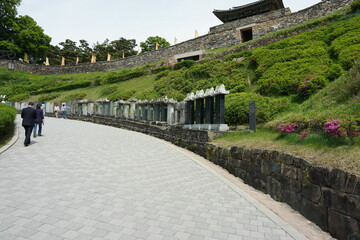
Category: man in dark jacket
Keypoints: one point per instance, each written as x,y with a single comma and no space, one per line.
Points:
28,115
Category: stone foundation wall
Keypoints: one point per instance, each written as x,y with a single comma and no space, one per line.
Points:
224,35
328,197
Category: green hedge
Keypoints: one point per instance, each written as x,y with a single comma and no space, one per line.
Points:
7,118
184,64
121,95
74,97
48,97
237,107
124,75
64,87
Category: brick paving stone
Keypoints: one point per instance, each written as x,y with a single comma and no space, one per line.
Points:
86,181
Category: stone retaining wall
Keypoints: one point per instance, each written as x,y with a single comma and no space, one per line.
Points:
224,35
328,197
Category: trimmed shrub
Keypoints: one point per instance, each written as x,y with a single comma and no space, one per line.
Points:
184,64
348,56
121,95
151,94
124,75
286,78
237,107
340,28
47,97
108,90
159,69
19,98
65,86
7,118
266,58
74,97
238,55
344,42
162,74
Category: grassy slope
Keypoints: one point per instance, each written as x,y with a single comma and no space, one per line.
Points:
139,84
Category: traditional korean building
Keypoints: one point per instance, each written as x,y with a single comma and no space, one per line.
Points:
250,21
248,10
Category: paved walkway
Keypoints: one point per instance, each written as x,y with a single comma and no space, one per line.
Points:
87,181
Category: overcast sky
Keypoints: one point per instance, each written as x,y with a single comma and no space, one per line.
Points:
96,20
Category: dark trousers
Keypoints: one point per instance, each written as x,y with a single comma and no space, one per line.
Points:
28,131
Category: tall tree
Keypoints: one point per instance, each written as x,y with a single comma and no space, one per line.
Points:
151,42
85,51
8,13
54,55
122,45
31,38
69,50
101,50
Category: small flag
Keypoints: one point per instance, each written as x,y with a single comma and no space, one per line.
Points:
196,33
123,54
62,61
109,57
175,41
93,59
26,57
47,61
77,60
156,46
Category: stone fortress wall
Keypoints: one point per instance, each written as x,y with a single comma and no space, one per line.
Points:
223,35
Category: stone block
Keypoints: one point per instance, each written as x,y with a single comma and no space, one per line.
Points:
246,165
255,154
276,168
300,163
341,202
266,166
240,173
319,176
287,158
338,179
274,188
342,226
292,198
236,152
214,153
352,184
295,185
247,155
265,155
285,181
312,193
289,171
315,213
274,155
201,150
224,154
260,185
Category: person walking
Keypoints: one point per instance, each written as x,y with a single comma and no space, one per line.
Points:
56,110
28,115
63,111
39,120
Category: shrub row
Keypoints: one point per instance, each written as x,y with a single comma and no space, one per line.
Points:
124,75
7,118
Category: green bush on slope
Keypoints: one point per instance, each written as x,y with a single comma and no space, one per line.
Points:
7,118
237,107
